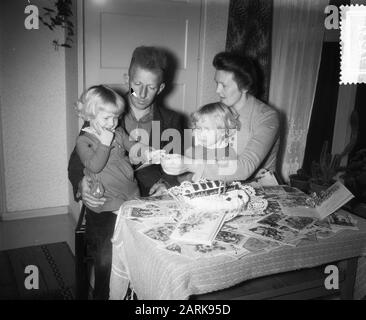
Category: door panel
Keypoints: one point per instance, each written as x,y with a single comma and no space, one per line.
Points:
113,30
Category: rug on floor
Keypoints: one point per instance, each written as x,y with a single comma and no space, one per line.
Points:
55,265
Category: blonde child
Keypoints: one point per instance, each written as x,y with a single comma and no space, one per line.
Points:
214,132
102,148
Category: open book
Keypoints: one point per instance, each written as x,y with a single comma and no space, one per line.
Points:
318,207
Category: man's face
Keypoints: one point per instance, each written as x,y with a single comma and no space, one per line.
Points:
146,84
227,88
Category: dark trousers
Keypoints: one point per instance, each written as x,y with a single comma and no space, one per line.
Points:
99,231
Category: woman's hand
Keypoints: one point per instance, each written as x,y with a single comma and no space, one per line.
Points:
86,195
175,164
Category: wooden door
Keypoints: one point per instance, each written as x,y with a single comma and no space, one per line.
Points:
114,28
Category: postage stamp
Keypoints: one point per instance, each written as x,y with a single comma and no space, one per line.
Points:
353,44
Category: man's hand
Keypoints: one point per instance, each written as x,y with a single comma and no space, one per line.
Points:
86,196
158,189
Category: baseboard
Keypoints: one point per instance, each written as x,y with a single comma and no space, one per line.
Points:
43,212
74,210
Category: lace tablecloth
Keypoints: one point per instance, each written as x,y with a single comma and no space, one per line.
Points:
157,274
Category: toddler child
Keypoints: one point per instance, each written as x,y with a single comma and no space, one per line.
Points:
214,132
102,148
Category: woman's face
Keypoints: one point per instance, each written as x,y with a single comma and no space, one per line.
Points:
227,88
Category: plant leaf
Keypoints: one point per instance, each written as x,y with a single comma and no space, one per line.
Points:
48,9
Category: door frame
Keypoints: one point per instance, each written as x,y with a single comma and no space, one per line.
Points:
212,40
2,170
81,52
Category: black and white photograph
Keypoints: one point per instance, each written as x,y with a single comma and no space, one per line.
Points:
255,244
342,220
281,234
230,237
271,220
181,150
298,223
217,248
161,234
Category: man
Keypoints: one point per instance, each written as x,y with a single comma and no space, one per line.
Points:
145,120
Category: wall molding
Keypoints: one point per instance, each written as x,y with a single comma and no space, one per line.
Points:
2,167
43,212
213,31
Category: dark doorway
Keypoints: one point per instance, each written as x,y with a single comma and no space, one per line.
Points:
325,104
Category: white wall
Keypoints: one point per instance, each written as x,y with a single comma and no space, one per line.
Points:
214,28
72,123
38,86
33,113
2,175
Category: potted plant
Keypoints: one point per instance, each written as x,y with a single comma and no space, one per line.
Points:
324,172
354,175
300,180
354,178
60,17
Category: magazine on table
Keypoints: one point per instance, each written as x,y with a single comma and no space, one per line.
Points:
148,209
297,203
199,227
197,251
333,198
342,220
290,216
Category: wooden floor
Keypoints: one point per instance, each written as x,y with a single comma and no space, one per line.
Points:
36,231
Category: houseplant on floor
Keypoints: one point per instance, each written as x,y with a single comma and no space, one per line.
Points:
354,178
300,180
324,172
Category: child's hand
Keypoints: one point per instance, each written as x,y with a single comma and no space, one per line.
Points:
105,136
154,156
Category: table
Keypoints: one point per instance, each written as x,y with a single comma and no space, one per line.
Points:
158,275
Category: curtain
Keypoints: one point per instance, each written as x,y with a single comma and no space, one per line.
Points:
297,38
249,34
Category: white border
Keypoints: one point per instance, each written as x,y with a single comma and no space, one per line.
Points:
44,212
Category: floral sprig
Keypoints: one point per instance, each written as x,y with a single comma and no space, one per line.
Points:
60,17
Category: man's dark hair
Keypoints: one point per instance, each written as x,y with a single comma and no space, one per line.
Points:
149,58
242,68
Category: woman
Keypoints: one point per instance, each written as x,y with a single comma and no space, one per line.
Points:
258,136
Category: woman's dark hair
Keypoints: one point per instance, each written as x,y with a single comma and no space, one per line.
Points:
242,67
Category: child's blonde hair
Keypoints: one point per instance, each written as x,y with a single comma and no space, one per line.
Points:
223,116
94,100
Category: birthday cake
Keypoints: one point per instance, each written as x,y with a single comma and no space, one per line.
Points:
214,196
